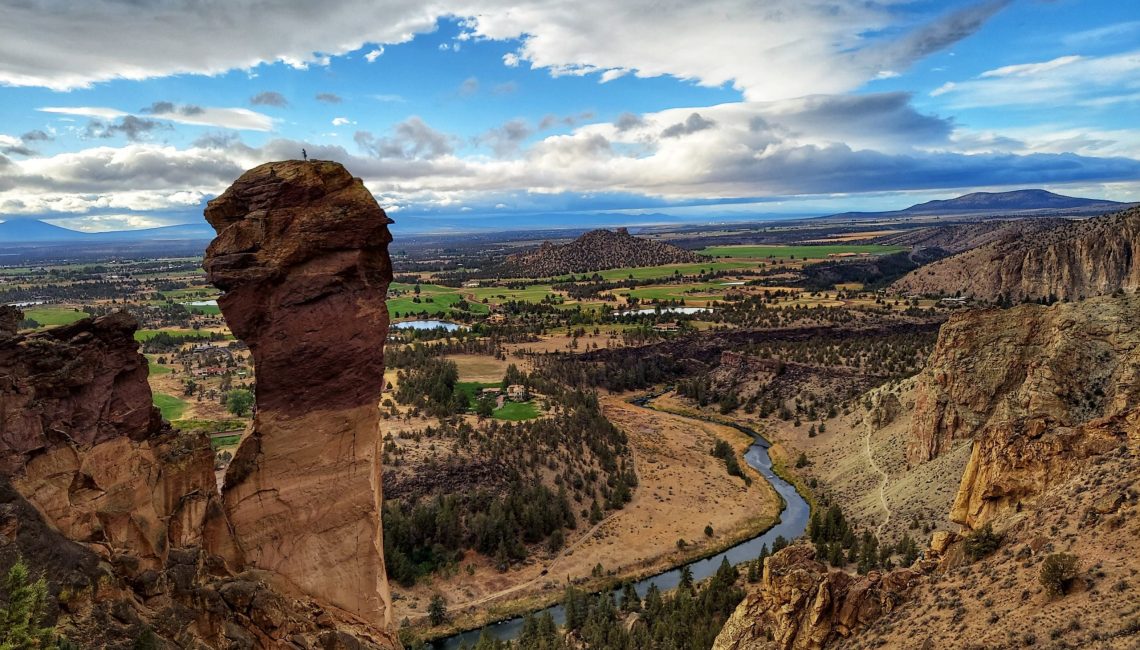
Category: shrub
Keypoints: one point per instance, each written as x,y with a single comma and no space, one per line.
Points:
1057,572
982,542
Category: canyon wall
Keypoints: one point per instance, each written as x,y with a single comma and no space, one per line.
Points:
81,440
301,254
1070,261
1037,388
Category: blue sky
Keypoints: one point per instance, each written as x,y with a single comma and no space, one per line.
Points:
126,114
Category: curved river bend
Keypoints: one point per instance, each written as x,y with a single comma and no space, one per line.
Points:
793,522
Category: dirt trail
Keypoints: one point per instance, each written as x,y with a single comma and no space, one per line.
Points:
882,485
547,570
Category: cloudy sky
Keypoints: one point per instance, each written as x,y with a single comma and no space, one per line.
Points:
133,113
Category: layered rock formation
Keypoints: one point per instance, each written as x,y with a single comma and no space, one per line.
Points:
1071,261
1037,389
801,605
596,250
301,254
80,438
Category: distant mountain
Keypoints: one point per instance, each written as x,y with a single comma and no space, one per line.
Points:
30,230
994,203
23,231
1005,201
596,250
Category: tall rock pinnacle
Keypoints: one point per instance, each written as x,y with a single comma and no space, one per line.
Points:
302,256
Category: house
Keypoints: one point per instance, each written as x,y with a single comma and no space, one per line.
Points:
517,393
496,319
667,327
471,284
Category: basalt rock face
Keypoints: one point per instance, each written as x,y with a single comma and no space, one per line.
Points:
81,440
1070,261
1036,388
801,605
301,254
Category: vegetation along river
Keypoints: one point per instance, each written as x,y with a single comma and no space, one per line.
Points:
792,523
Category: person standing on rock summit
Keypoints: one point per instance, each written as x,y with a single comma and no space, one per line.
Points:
304,155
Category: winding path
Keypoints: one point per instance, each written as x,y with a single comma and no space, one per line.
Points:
882,484
547,570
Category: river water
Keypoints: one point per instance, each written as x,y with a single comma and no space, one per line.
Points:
793,522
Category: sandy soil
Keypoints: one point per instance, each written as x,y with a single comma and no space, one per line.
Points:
682,488
479,367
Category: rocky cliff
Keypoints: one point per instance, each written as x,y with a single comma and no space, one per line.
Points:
81,440
122,514
301,254
1070,261
596,250
1049,397
1037,389
801,605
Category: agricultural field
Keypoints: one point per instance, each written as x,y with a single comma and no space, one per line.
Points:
52,316
171,407
820,252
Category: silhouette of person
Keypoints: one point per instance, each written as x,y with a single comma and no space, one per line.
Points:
304,154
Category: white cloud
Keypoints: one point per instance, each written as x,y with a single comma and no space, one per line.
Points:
342,121
813,145
226,118
1031,69
1068,80
372,55
833,46
85,111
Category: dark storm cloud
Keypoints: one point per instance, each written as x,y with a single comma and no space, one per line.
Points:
692,124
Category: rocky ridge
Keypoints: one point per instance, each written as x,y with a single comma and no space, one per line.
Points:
963,237
1071,261
1049,398
596,250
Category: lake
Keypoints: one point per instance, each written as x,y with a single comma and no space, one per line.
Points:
426,325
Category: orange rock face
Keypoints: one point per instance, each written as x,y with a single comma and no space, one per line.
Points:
301,254
1036,388
81,440
801,605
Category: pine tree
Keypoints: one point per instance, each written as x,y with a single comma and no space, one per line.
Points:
21,619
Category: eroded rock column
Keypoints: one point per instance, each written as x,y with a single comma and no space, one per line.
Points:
302,256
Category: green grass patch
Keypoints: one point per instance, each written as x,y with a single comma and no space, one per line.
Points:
516,411
472,388
648,272
171,406
761,252
154,369
225,441
208,310
207,426
53,316
146,335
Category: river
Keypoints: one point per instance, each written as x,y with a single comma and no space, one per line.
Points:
793,522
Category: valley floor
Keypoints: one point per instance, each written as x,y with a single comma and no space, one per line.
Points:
682,489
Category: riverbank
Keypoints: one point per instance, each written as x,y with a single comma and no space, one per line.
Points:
746,547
